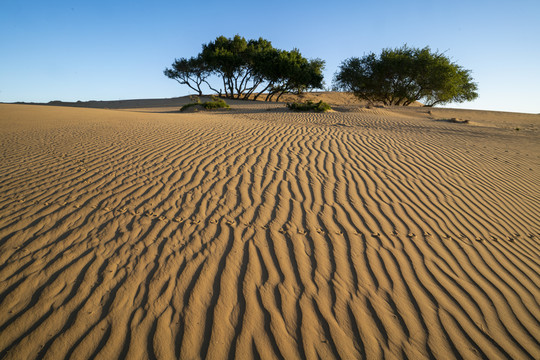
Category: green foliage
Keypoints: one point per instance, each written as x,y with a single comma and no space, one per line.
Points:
248,68
214,103
192,72
404,75
289,71
309,106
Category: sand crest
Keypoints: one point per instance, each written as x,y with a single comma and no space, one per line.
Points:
263,233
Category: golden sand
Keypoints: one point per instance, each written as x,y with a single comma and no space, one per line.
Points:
262,233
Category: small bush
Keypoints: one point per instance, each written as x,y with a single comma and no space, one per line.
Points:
187,106
309,106
458,121
214,103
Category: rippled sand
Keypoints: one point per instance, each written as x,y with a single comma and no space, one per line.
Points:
261,233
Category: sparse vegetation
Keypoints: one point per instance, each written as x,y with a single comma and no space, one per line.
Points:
214,103
458,121
309,106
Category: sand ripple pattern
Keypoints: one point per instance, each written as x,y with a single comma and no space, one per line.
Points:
265,235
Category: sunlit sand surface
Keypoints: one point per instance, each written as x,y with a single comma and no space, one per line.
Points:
261,233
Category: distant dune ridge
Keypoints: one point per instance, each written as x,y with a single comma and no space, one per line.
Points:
140,232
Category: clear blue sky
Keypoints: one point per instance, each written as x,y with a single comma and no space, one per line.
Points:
110,50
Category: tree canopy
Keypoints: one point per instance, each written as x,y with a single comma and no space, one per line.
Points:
404,75
248,68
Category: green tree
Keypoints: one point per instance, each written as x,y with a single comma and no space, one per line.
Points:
227,58
404,75
248,68
289,71
192,72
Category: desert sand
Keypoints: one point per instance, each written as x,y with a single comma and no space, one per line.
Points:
139,232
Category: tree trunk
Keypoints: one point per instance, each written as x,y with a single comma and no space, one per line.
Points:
225,87
185,82
283,92
269,96
263,90
211,88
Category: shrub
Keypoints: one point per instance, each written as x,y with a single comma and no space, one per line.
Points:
309,106
214,103
187,106
458,121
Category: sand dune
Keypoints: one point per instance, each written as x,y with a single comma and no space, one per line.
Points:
261,233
